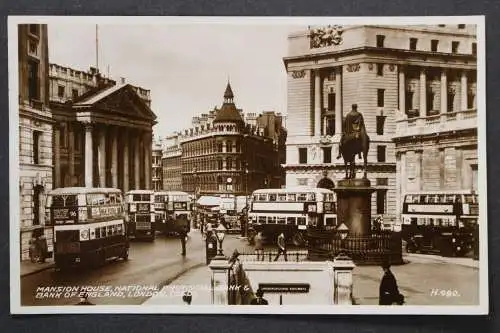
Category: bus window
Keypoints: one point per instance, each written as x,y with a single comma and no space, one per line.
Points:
271,219
450,198
330,221
262,219
262,197
302,197
301,221
282,197
311,196
421,199
159,198
272,197
469,198
292,197
281,220
290,220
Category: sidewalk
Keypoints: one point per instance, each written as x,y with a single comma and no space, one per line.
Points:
426,258
196,280
28,268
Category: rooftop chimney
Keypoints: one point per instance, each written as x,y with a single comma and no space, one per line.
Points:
122,80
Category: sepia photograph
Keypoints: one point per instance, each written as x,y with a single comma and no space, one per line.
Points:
314,165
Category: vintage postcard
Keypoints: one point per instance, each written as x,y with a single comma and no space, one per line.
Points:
315,165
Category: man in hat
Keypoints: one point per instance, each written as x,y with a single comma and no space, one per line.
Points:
281,247
388,291
259,300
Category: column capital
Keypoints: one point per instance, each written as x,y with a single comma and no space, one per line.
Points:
88,125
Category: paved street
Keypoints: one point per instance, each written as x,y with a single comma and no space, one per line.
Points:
154,264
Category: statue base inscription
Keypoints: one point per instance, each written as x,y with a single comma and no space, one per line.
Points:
354,205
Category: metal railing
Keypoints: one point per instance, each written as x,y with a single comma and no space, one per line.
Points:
269,256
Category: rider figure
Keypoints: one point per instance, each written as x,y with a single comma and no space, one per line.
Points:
354,126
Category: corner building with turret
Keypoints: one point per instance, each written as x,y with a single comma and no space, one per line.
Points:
391,72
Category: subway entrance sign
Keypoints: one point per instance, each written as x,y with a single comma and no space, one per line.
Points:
293,288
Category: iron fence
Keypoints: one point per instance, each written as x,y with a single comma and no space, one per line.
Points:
371,249
268,256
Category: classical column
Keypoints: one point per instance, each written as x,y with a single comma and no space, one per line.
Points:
423,93
147,160
418,175
444,91
57,156
125,143
402,90
89,177
463,91
338,101
71,154
101,157
137,153
317,103
114,157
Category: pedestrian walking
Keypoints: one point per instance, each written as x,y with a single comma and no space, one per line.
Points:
388,291
259,246
84,299
281,247
187,297
259,299
183,237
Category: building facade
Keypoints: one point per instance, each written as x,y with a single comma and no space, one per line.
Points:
156,167
35,132
436,138
171,164
102,131
224,155
385,70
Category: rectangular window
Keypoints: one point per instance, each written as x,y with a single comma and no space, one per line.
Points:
430,101
380,69
60,91
330,125
451,101
434,45
381,153
381,199
409,100
470,100
380,125
454,47
36,147
382,181
74,93
474,48
461,26
380,40
380,97
441,25
219,164
413,43
331,102
303,155
327,154
33,81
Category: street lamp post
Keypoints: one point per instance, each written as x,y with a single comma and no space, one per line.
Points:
195,192
343,230
220,233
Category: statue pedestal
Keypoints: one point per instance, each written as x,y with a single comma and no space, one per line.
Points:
354,205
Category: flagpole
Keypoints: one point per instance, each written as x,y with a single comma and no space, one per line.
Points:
97,47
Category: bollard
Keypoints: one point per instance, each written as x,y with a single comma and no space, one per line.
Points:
342,279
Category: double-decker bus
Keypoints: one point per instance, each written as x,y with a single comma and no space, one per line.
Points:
88,225
440,222
173,211
140,214
291,211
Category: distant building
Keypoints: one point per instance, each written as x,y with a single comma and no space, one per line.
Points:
171,164
224,155
157,166
103,131
35,131
426,72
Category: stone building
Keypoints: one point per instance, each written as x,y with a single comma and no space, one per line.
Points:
384,70
171,164
223,155
436,136
103,131
156,167
35,131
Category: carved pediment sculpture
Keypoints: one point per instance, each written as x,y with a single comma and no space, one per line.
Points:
326,36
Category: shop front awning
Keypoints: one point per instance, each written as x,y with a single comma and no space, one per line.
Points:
208,201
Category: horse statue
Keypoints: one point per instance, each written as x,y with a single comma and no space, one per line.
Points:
354,141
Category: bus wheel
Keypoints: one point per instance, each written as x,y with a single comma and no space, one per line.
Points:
125,253
298,239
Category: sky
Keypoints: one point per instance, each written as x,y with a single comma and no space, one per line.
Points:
186,66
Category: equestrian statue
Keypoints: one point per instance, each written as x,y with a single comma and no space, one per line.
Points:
354,141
